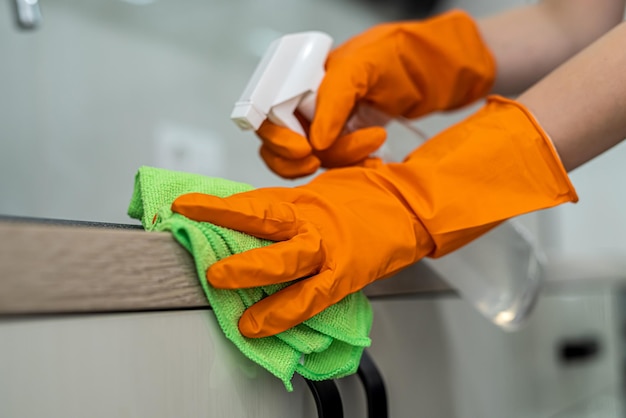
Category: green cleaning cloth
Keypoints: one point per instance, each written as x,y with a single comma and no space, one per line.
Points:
327,346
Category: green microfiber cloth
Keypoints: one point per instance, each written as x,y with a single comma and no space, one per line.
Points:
327,346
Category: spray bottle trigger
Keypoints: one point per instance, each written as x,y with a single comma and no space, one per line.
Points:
283,114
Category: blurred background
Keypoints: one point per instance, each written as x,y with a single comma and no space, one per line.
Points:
102,87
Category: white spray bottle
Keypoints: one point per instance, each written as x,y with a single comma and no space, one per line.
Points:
500,274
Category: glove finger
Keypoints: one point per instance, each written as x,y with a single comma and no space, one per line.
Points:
248,212
283,141
353,147
301,256
289,307
337,95
289,168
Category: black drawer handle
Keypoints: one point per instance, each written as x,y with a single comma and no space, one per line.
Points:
578,350
374,386
327,398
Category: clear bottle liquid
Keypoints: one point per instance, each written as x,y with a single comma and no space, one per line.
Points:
500,273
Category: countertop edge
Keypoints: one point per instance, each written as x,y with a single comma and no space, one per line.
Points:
56,266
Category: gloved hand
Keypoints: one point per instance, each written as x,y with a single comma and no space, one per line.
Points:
351,226
404,69
290,155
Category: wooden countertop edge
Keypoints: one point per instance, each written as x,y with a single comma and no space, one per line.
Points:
62,267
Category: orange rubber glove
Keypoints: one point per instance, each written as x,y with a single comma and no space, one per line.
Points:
351,226
404,69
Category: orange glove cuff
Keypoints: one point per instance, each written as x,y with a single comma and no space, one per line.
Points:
495,165
461,68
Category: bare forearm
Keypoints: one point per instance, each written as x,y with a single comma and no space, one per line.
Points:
582,104
531,41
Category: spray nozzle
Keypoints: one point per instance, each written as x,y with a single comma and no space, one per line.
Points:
285,79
